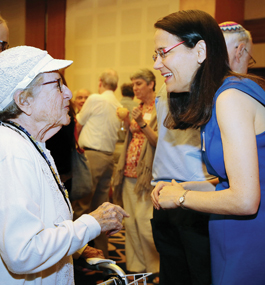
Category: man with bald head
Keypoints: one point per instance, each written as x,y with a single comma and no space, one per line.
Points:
4,35
98,126
79,98
239,46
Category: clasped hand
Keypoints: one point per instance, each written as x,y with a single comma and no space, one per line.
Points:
137,116
166,194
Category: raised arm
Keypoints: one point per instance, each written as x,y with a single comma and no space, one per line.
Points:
150,134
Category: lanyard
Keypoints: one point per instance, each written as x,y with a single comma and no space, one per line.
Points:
43,154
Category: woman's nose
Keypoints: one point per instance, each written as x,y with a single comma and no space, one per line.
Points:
158,63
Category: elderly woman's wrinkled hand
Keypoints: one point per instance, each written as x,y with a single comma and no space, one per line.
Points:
109,216
91,252
169,195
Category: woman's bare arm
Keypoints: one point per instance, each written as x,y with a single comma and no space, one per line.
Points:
236,115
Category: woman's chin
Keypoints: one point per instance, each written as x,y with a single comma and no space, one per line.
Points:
175,89
170,88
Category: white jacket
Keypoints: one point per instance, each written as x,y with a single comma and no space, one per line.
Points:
37,234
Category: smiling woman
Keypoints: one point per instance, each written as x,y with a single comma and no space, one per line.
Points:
229,108
37,234
178,65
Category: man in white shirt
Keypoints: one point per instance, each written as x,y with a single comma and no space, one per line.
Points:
98,126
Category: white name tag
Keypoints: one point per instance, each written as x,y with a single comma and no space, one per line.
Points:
147,116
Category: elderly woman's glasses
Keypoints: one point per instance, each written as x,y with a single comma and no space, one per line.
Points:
59,82
3,45
162,52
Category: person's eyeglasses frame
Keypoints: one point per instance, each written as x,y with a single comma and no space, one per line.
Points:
162,52
59,81
252,61
3,45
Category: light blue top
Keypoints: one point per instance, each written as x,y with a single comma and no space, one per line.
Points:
178,152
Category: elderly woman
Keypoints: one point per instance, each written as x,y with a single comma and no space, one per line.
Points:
134,174
190,52
37,234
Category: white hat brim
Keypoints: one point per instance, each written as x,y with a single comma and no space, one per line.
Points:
55,64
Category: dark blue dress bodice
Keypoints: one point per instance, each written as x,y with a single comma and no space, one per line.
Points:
237,242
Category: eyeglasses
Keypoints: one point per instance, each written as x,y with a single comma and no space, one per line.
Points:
59,82
252,61
162,52
3,45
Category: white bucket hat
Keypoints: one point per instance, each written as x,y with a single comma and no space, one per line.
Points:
20,65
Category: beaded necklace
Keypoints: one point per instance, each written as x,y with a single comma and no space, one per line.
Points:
43,154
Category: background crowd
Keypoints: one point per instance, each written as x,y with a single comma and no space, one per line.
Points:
189,173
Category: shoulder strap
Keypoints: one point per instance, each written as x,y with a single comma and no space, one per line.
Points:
245,85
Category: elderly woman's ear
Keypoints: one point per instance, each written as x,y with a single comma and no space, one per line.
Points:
23,102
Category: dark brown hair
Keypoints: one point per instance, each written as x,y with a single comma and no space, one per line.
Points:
127,90
194,108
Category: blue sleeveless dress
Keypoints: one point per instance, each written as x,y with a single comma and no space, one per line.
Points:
237,242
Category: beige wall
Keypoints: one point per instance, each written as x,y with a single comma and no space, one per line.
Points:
115,33
13,11
205,5
255,9
111,34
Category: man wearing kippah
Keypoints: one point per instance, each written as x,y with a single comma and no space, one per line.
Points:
239,46
4,35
